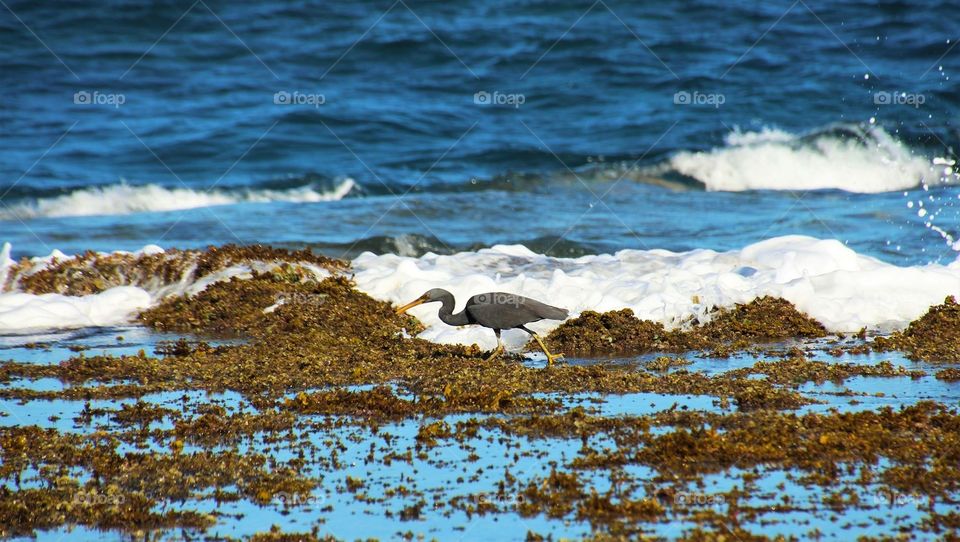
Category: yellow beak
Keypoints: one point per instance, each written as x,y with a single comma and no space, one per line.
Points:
411,305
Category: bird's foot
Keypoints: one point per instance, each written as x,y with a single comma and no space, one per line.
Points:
496,354
553,357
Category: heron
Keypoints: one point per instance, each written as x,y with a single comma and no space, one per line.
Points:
495,310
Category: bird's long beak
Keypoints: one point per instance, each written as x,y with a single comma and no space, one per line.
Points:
411,304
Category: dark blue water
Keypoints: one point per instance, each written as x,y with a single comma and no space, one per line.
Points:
183,95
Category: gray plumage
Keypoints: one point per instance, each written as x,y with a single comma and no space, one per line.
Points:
499,310
496,310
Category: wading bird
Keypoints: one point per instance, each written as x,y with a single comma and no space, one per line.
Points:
495,310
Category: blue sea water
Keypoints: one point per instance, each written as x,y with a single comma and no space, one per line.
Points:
184,96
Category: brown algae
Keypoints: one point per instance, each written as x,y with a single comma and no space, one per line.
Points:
92,272
935,336
764,319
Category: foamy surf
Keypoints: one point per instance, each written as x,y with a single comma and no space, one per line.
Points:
851,158
122,199
842,289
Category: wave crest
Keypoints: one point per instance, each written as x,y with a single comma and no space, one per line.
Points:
122,199
854,158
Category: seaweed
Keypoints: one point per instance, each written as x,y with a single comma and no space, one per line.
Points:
765,319
934,337
93,272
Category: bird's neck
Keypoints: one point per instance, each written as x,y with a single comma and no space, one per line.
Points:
448,317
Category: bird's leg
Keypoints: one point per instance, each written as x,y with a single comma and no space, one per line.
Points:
550,357
499,350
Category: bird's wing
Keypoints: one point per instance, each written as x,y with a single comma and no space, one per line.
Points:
547,312
500,310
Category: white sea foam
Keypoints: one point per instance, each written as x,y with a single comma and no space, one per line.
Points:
823,278
23,312
121,199
844,290
863,160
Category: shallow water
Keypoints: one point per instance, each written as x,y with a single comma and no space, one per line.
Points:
471,468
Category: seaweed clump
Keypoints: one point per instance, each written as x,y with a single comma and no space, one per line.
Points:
231,307
948,375
93,272
765,319
935,336
275,534
613,332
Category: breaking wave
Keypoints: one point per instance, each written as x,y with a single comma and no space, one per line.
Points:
854,158
122,199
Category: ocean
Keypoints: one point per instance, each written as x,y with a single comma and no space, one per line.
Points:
570,128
